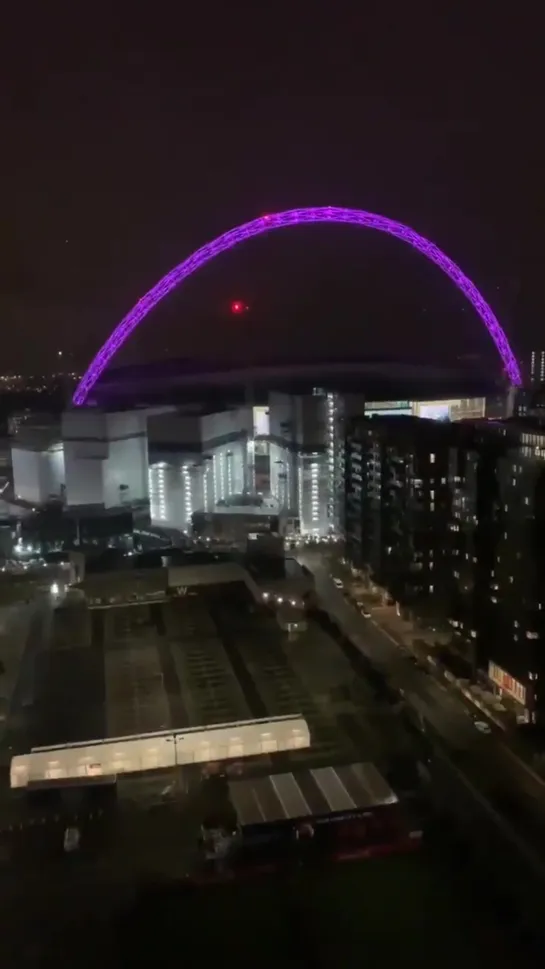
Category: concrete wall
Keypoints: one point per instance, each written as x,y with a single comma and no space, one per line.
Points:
173,431
106,457
37,475
187,576
214,427
126,470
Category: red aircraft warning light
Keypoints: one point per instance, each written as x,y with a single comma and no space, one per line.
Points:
237,306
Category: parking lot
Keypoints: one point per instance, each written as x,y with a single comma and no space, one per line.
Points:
307,675
205,680
69,677
214,656
217,657
136,701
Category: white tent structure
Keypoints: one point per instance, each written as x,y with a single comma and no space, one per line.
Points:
153,751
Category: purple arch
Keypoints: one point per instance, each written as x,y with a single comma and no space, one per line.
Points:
278,221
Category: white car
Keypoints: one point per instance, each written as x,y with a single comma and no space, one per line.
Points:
338,583
482,726
71,839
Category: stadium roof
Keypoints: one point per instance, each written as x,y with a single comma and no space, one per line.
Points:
175,380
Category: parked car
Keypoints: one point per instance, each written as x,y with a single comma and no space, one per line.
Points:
71,839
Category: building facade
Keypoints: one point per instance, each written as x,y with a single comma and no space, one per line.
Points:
450,520
105,458
400,506
285,451
534,369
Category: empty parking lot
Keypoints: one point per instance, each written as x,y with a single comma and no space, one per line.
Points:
214,656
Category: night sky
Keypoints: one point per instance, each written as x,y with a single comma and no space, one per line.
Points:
126,143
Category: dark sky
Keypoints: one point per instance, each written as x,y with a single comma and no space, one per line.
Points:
127,142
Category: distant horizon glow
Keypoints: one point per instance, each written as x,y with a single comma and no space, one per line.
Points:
281,220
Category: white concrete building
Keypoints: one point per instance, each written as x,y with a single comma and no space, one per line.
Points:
313,492
196,461
175,492
105,458
311,457
285,452
277,451
37,460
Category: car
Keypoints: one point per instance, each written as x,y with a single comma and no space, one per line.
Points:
365,613
71,839
483,726
338,583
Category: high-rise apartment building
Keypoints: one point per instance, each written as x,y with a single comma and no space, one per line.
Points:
400,506
511,631
450,519
534,368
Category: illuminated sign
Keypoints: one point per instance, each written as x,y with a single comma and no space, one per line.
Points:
507,683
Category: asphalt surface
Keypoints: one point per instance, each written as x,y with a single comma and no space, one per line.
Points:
19,728
511,789
70,688
198,675
446,713
136,700
270,680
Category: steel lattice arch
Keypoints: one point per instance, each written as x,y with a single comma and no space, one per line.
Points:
280,220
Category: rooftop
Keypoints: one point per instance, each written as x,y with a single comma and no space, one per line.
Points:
157,382
124,584
309,793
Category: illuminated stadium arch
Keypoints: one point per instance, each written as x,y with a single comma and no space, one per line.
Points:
281,220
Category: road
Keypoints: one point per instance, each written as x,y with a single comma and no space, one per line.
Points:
446,714
508,784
